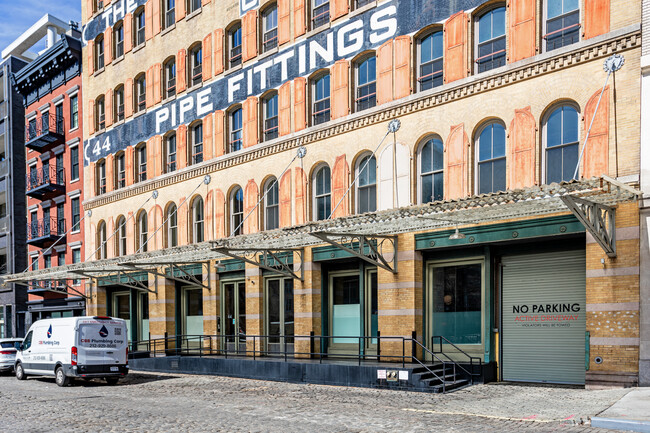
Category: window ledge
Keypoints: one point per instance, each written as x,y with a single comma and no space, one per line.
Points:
193,14
233,69
268,53
74,181
362,9
139,47
139,113
168,99
317,30
118,60
75,232
167,30
195,86
98,71
73,129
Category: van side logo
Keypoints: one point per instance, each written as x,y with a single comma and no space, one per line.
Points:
103,332
49,332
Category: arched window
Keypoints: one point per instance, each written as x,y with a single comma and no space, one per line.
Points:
236,211
140,93
118,103
235,119
270,107
198,234
561,145
562,23
491,42
169,13
367,184
118,39
366,94
99,52
120,170
141,162
270,28
170,78
193,6
234,45
138,26
320,13
271,205
171,226
196,141
142,232
322,193
321,99
430,60
101,177
120,240
196,64
431,170
170,153
100,114
101,241
491,158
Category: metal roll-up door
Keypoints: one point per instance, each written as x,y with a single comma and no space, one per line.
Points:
543,317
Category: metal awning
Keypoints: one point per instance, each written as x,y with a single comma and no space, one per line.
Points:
485,208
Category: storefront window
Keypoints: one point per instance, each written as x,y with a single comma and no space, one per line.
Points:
456,297
346,308
279,298
193,312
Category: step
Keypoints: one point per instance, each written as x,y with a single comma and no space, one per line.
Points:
451,386
436,380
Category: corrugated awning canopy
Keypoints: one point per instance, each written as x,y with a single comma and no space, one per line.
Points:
479,209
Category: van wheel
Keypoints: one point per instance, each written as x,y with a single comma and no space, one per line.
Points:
61,378
112,380
20,373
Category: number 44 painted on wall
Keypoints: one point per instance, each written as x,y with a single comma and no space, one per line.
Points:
97,147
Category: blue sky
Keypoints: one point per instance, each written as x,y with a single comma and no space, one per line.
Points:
16,16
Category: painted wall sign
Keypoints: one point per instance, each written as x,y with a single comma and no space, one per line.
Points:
363,32
247,5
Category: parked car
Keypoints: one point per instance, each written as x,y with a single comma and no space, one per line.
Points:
85,347
8,349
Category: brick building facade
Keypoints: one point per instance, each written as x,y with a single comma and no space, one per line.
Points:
51,90
464,228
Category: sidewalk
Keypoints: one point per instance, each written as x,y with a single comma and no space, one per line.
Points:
632,413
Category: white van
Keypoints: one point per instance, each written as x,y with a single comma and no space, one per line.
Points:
85,347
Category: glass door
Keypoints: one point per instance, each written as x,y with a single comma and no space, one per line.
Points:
455,304
279,314
233,311
192,316
345,312
143,319
372,311
122,309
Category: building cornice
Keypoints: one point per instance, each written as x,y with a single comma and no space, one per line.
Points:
586,51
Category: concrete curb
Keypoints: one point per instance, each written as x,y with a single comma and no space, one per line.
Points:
621,424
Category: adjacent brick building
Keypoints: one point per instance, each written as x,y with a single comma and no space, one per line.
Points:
465,226
51,90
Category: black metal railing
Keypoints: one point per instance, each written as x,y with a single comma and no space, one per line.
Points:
474,361
142,101
197,74
321,15
45,124
362,348
171,87
271,128
46,175
45,227
170,18
270,39
235,56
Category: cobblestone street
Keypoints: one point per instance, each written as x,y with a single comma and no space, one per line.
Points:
152,402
